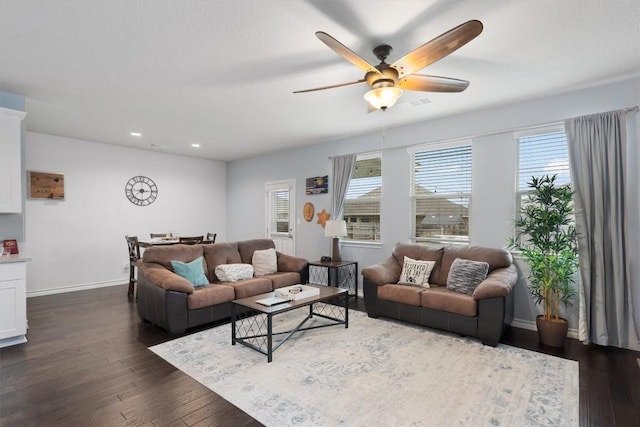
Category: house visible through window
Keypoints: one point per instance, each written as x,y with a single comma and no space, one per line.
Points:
362,204
441,194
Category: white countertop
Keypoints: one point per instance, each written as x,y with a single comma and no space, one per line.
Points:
6,259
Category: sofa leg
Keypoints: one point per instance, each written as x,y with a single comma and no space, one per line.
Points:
489,342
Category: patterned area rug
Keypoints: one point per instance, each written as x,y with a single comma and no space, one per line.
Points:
381,373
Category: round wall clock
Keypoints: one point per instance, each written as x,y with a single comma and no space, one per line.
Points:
141,190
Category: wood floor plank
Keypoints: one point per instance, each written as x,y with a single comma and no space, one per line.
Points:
87,363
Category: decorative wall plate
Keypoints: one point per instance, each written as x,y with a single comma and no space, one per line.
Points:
308,211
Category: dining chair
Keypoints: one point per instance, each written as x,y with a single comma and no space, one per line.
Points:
211,238
156,235
134,256
191,240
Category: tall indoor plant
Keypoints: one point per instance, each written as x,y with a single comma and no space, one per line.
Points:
546,238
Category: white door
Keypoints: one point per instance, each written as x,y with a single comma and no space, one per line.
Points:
280,214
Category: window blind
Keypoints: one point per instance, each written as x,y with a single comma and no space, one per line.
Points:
280,211
543,154
446,170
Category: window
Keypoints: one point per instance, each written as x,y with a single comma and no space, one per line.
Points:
543,152
362,204
441,193
279,211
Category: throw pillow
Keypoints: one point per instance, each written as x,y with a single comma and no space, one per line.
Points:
416,272
192,271
264,262
465,275
234,272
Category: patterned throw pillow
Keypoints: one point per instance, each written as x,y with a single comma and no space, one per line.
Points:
234,272
264,262
465,275
192,271
416,272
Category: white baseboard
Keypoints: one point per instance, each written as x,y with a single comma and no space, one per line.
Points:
76,288
531,326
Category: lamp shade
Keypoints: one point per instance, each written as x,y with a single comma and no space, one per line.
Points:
383,97
335,228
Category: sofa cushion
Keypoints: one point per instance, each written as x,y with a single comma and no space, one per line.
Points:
283,278
234,272
220,253
192,271
416,272
442,299
496,258
210,295
465,275
163,255
264,261
246,248
404,294
251,287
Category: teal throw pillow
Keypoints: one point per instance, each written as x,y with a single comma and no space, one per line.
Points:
192,271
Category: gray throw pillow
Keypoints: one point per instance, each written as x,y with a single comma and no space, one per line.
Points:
465,275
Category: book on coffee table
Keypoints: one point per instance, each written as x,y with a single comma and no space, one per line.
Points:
272,301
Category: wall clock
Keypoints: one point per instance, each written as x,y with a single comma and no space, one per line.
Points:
141,190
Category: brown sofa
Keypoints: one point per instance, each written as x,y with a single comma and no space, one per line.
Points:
484,314
173,303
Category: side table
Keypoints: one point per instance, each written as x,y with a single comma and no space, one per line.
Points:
339,274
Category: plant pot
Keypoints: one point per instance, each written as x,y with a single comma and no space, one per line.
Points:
552,333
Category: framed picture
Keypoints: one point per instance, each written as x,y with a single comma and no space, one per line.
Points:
317,185
46,185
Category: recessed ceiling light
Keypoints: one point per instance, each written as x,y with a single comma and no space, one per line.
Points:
155,145
135,134
195,145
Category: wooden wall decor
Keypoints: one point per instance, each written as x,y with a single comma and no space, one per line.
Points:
308,211
323,217
45,185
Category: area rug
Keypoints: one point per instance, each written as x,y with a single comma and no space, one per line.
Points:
381,373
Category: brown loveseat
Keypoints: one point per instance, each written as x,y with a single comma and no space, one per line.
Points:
173,303
484,314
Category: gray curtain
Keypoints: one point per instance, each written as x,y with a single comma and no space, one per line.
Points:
342,170
597,150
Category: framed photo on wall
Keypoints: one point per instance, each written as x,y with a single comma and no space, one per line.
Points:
317,185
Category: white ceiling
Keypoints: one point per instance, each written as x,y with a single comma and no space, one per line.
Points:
221,72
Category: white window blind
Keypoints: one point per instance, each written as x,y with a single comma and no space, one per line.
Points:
362,204
543,154
280,211
441,194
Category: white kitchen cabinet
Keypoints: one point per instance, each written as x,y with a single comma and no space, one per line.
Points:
13,300
10,160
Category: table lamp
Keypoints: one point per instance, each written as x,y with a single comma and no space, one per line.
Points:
335,229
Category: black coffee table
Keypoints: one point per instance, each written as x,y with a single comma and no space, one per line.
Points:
252,322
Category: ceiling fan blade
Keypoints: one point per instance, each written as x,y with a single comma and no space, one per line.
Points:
345,52
331,87
432,83
438,48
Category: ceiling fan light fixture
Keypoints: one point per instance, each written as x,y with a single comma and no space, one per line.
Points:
383,97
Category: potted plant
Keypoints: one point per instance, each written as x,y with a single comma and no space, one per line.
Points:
546,238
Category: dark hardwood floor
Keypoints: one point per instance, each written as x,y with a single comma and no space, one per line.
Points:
87,363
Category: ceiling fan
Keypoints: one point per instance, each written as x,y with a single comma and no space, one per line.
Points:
388,81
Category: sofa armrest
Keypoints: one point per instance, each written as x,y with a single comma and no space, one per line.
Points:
164,278
290,263
497,284
388,271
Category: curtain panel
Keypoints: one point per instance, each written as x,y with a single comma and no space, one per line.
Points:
597,152
342,171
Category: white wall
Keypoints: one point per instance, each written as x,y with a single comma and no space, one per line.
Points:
494,165
79,242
